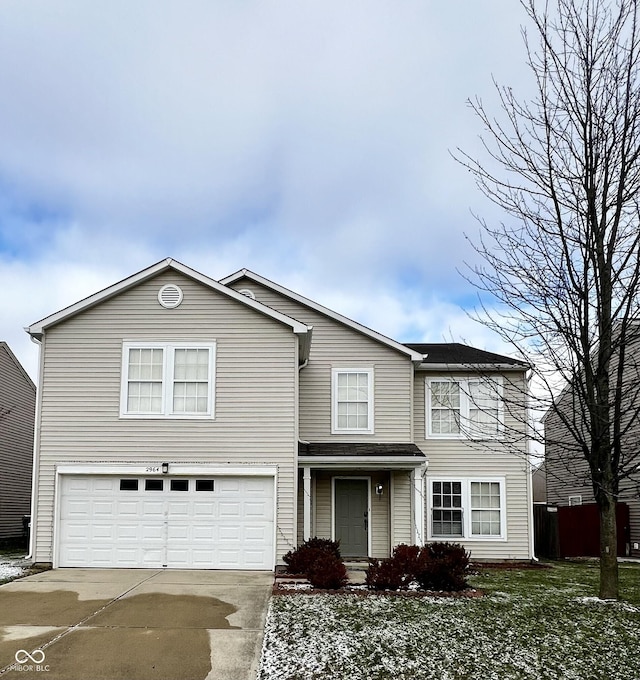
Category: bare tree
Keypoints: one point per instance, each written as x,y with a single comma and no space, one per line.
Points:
564,264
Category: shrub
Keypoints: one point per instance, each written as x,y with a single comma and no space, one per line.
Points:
406,558
384,575
442,566
328,571
303,558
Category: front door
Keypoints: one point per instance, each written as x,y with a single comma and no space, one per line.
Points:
352,516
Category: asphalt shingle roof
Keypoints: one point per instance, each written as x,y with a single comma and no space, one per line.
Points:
457,353
358,449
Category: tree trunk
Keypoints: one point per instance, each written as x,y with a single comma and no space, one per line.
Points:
608,551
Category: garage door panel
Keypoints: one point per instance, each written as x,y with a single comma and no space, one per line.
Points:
229,486
102,485
225,523
202,509
103,532
130,508
227,509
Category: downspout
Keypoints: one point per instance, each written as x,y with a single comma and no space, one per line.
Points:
36,448
529,468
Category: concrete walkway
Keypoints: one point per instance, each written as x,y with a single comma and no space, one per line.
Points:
133,624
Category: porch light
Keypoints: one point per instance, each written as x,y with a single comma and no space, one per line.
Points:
379,489
165,468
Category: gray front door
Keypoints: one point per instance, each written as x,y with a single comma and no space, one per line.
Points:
352,516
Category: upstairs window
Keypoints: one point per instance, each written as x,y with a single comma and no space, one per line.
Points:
352,397
168,380
469,407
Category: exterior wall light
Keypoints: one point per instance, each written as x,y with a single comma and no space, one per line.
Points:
379,489
165,468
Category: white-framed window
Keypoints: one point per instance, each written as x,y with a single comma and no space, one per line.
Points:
352,400
464,407
467,508
167,380
575,500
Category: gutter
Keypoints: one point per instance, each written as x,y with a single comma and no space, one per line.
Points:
376,462
36,448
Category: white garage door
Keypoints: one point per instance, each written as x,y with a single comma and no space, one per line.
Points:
177,522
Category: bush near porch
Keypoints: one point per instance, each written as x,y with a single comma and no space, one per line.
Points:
437,566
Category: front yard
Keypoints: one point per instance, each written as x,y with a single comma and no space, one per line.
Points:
537,624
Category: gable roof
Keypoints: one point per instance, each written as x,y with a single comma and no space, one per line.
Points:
37,329
4,346
415,355
448,354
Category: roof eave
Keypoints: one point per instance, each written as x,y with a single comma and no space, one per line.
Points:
519,368
416,357
378,462
37,329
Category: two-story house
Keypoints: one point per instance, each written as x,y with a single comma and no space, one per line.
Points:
192,423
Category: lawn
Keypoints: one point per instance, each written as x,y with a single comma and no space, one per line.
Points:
537,624
12,564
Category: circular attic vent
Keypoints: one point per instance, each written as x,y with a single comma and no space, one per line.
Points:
170,296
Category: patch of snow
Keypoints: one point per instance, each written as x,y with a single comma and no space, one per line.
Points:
617,604
10,571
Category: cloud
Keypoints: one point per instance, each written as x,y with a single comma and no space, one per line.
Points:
307,141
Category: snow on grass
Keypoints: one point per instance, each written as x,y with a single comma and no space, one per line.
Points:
537,625
9,572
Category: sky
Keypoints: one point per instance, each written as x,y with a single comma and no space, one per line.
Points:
309,141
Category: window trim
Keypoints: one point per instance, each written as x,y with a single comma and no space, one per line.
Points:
168,381
467,429
335,429
467,536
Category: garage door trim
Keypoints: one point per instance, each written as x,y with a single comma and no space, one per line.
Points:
154,469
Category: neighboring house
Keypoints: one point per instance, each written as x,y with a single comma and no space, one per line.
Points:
192,423
569,481
539,478
17,416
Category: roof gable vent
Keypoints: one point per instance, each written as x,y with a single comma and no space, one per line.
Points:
170,296
249,293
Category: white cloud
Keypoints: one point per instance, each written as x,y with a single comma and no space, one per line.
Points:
307,141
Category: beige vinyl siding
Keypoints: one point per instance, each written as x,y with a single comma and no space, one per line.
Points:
460,458
322,507
335,345
402,518
255,393
17,415
379,523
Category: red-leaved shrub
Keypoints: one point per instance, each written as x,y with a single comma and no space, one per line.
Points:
327,572
442,566
436,566
305,556
383,575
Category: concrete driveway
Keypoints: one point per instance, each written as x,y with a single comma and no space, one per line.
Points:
133,624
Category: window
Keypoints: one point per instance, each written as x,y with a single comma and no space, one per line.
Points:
485,509
128,485
164,380
204,484
447,509
469,407
352,397
467,508
153,484
179,485
575,500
